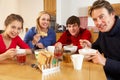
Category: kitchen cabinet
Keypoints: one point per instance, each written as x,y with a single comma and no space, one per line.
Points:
58,35
50,6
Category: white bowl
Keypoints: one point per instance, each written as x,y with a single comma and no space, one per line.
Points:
87,52
73,49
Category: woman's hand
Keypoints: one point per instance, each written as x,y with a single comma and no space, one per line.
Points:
36,38
85,43
40,45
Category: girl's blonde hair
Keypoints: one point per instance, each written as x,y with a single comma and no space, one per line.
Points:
38,29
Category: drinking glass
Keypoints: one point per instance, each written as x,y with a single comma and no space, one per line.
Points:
58,53
21,56
36,53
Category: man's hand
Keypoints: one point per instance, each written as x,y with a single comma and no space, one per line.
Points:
98,59
85,43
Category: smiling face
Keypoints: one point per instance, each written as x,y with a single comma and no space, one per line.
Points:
13,29
13,25
73,25
73,29
44,21
103,20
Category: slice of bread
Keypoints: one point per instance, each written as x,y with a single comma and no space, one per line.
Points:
43,34
44,58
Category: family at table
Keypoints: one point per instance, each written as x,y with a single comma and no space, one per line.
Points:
42,35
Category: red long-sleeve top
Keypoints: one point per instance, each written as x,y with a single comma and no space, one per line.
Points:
67,38
17,41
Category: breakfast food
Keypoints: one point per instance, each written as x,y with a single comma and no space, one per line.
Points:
43,34
44,58
71,48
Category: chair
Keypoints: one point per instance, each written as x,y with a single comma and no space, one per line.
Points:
1,31
94,35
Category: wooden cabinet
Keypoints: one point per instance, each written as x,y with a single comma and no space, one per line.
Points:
58,35
50,6
117,8
94,35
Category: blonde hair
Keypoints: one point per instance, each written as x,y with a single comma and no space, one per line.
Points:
38,29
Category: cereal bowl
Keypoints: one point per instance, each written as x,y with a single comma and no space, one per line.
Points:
72,48
87,52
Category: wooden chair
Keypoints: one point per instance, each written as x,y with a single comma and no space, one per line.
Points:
94,35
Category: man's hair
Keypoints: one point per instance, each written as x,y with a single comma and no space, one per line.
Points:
72,20
101,4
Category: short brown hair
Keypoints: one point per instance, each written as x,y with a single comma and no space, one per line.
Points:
101,4
72,20
12,17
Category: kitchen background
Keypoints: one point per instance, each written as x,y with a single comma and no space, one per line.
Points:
29,10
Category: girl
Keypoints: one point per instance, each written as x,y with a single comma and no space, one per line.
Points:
9,39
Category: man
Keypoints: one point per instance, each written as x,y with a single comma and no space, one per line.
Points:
73,33
108,41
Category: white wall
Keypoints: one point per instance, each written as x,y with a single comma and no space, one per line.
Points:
74,7
28,9
63,11
7,7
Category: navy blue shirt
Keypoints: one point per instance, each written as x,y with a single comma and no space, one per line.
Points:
108,43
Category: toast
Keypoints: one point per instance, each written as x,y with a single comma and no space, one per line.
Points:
43,34
44,58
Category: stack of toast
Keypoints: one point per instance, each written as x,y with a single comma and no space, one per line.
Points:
44,58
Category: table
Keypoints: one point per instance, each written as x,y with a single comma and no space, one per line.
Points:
11,70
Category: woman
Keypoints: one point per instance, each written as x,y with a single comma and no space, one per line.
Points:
9,39
42,35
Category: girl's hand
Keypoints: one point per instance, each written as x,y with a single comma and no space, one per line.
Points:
10,53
